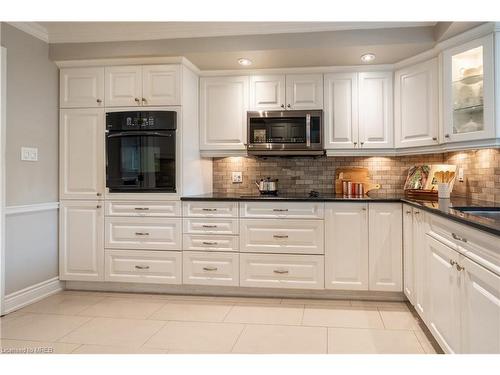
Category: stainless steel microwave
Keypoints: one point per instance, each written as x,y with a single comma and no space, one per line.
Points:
285,133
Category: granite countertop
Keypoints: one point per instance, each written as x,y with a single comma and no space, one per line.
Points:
444,207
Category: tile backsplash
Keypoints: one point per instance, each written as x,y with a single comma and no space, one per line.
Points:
300,175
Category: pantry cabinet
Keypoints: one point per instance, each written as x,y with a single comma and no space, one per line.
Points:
223,107
81,87
416,105
468,91
81,241
81,154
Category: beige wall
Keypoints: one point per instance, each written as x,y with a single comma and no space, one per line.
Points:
32,119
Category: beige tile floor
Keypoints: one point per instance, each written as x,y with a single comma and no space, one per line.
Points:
126,323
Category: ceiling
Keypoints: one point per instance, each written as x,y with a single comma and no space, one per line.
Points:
218,45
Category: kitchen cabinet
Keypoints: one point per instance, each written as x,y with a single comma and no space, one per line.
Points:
468,91
420,267
81,158
81,241
148,85
341,110
211,268
416,105
267,92
375,110
281,210
346,246
408,255
223,107
385,251
81,88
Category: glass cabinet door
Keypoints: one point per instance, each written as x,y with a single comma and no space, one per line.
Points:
468,91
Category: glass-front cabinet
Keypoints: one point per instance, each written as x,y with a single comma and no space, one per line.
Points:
468,95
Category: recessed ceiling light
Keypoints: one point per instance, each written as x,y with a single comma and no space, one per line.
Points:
368,57
244,62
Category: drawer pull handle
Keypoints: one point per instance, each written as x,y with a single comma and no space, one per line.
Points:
209,243
459,267
452,262
280,209
141,233
209,226
459,238
142,267
209,209
281,272
141,208
280,236
209,268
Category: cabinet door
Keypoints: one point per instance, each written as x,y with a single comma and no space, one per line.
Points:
443,315
161,85
123,86
223,107
341,110
408,254
304,91
81,241
267,92
420,250
375,110
416,105
346,248
385,251
81,158
468,91
81,87
480,306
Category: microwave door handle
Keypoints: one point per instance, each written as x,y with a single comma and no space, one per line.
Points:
131,134
308,130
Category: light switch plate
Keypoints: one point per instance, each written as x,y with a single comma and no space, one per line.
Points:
460,175
29,153
237,177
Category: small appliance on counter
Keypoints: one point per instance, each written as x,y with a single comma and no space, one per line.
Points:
430,182
353,182
267,186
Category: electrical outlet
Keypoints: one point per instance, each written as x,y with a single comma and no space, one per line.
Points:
460,175
29,153
237,178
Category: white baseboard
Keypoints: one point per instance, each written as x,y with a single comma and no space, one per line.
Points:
31,294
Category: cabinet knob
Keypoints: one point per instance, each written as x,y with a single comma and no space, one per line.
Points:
282,106
99,101
452,262
137,100
459,267
289,106
363,209
434,138
447,136
362,143
98,206
408,212
143,100
355,144
98,194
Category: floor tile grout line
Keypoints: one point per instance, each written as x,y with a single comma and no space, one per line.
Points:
73,330
381,318
238,338
227,313
75,349
419,343
156,332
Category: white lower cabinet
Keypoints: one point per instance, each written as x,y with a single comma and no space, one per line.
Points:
282,271
408,255
385,251
211,268
81,240
138,266
346,246
210,242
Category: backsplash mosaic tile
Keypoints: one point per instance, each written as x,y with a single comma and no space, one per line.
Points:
300,175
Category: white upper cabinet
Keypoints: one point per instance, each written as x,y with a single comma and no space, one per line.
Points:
375,110
416,105
148,85
304,91
123,86
81,155
161,85
267,92
341,110
385,247
468,91
81,88
223,107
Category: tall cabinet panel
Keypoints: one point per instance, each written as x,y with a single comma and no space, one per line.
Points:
375,110
346,248
341,110
385,247
416,105
81,88
81,148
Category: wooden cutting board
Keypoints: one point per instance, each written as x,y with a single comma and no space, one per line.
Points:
359,175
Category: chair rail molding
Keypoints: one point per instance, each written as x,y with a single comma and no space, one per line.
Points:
28,208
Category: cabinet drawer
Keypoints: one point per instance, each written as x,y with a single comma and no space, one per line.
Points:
210,268
210,242
150,209
158,267
143,233
292,210
215,226
210,209
282,271
282,236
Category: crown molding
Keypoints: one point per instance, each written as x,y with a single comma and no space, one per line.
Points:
33,29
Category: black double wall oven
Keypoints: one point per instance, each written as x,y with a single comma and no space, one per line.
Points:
140,151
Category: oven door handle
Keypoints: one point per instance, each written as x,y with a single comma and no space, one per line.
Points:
308,130
141,133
